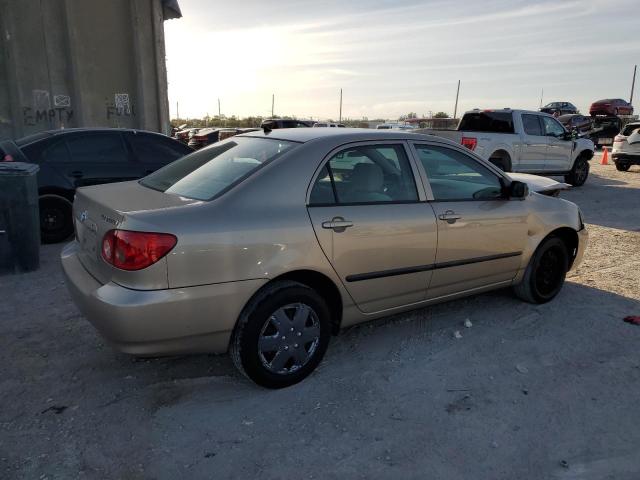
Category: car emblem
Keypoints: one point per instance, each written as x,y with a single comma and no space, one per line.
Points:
83,216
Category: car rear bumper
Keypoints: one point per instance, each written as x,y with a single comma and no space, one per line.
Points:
626,157
158,322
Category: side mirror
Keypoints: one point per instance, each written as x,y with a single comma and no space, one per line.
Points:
518,189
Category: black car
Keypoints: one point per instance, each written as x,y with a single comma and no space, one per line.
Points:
563,108
79,157
273,123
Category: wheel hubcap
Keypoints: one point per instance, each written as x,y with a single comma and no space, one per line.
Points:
289,338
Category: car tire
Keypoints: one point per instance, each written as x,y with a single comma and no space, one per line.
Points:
259,345
622,167
579,172
546,272
56,222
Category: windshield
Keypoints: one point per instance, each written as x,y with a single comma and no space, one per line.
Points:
207,173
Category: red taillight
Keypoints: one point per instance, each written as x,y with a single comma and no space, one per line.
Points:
135,250
7,158
470,142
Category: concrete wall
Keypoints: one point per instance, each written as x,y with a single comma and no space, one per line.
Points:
82,63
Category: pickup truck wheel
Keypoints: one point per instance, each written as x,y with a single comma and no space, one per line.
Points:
282,335
623,167
579,173
501,162
545,274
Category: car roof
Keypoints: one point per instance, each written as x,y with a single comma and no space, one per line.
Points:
345,135
29,139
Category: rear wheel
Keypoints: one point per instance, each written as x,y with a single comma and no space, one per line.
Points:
623,167
56,223
579,172
545,273
282,335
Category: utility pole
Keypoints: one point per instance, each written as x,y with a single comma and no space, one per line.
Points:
541,95
273,101
219,111
177,110
340,115
455,109
633,83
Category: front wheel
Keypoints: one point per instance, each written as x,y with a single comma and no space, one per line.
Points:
623,167
579,172
545,273
282,335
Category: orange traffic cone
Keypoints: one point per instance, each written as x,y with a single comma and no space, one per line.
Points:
605,157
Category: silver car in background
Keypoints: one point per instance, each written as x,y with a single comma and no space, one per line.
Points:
269,242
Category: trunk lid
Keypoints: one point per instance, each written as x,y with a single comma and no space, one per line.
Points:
101,208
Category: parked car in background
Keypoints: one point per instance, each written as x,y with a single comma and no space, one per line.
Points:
265,245
611,106
74,158
626,147
273,123
396,126
327,124
523,141
562,108
185,135
208,136
578,122
605,128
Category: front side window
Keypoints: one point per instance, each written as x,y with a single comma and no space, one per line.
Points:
455,176
209,172
366,174
97,148
531,125
552,128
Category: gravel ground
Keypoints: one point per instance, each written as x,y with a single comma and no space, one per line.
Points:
528,392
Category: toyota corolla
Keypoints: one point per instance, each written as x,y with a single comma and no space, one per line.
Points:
268,243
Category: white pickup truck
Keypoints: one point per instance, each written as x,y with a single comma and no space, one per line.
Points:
523,141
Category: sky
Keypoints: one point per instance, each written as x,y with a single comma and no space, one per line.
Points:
392,57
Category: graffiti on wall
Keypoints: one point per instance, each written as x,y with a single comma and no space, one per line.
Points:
42,111
121,106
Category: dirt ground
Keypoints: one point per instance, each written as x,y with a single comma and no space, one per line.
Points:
528,392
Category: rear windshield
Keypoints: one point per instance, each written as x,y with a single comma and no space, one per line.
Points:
628,130
207,173
496,122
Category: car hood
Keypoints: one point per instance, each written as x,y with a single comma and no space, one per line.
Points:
539,184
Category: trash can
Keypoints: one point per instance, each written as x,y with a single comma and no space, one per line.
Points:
19,217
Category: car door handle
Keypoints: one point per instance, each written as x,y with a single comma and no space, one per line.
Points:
449,216
77,174
338,224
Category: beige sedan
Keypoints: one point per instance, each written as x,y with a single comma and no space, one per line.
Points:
268,243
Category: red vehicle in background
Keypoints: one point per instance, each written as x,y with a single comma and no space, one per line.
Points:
611,106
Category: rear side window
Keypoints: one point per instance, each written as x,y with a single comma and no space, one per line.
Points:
207,173
366,174
531,125
496,122
97,148
156,149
